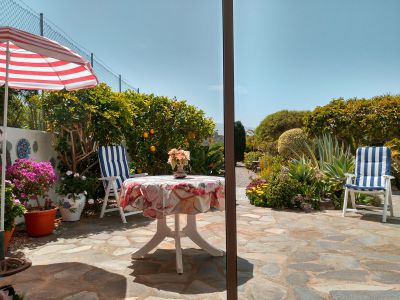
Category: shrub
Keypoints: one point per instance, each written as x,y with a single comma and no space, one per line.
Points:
395,150
31,179
277,123
250,157
208,159
160,124
13,207
83,119
281,189
292,143
240,141
256,192
357,122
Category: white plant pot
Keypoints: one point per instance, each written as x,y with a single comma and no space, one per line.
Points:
77,206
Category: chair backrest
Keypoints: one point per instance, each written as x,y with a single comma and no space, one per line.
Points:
371,164
113,163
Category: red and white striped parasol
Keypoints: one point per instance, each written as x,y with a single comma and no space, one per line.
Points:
32,62
41,64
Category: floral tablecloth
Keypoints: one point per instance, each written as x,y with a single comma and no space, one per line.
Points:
158,196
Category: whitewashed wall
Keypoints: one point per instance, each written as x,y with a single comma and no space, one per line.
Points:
45,150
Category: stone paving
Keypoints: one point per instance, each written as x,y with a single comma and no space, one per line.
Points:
282,255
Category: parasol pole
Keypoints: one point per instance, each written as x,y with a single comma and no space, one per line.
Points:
4,155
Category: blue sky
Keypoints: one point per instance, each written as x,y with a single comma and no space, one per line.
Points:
289,54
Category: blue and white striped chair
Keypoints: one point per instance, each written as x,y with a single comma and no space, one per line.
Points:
372,177
114,171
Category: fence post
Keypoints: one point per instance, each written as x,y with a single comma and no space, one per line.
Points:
91,59
120,83
41,25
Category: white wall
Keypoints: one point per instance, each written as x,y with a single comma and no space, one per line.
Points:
45,150
44,140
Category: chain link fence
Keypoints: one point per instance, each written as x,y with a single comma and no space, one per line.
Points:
16,13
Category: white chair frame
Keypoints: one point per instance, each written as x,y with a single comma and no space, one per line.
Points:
387,193
113,191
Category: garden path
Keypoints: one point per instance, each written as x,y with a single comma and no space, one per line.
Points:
282,255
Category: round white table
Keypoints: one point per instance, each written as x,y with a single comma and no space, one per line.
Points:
160,196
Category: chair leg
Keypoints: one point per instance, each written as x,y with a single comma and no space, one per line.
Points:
178,249
385,205
353,199
121,210
346,198
103,208
391,202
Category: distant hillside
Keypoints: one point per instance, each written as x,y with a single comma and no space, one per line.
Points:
220,128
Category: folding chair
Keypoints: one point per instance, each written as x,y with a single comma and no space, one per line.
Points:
114,171
372,176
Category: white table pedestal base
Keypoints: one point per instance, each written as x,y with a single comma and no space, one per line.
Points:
190,231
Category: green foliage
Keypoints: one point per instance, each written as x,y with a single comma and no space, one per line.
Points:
160,124
208,160
280,190
13,207
250,157
357,122
240,141
395,150
271,165
83,119
302,170
277,123
292,143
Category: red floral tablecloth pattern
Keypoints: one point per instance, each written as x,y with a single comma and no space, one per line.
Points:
159,196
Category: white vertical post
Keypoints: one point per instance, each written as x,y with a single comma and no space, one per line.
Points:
4,149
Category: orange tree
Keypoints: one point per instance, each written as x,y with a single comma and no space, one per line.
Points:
161,123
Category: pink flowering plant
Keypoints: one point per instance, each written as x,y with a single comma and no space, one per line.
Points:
31,181
178,157
13,207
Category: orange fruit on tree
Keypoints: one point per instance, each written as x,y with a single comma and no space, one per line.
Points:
152,149
152,131
145,134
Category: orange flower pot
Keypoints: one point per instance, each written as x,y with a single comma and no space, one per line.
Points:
7,238
40,222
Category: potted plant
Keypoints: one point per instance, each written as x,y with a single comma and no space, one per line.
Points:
13,209
73,188
32,181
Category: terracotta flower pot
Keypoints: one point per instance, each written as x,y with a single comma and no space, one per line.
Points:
7,238
40,222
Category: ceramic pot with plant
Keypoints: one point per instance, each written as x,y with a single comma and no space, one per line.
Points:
178,159
32,181
73,188
13,209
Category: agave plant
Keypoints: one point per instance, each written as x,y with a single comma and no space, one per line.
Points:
302,170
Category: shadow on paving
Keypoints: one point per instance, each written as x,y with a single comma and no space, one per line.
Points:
202,273
59,281
87,226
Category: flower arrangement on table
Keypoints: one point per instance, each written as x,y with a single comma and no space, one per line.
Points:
31,181
73,187
178,158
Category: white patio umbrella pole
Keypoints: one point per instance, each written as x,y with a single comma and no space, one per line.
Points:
4,153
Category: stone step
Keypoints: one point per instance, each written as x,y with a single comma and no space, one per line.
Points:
364,295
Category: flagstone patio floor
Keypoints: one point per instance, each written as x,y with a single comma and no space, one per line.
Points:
282,255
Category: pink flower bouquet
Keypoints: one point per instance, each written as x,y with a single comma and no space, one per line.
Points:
178,158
